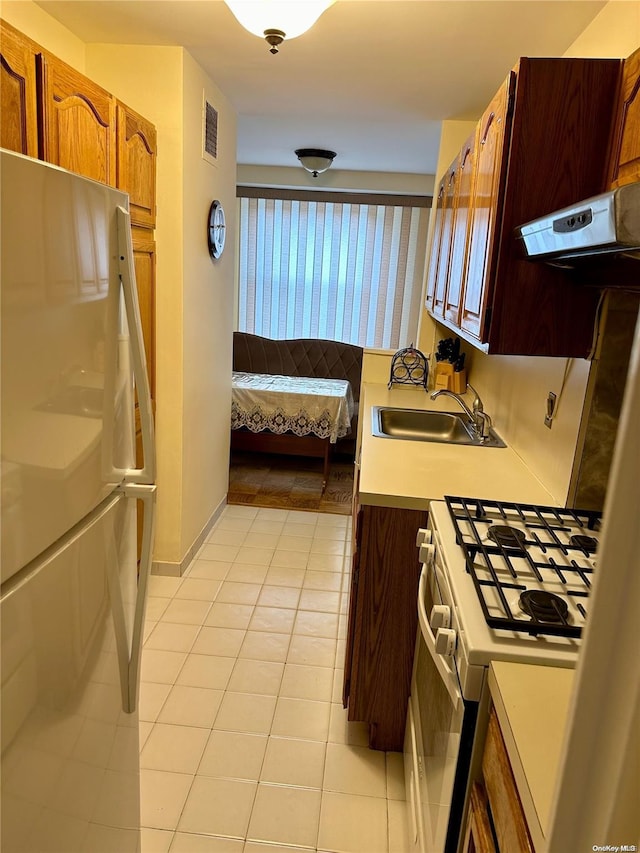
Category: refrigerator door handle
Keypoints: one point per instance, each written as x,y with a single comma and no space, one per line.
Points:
147,473
147,494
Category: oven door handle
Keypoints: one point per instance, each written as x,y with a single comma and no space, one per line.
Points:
446,673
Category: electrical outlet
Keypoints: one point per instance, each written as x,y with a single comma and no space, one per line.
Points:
551,407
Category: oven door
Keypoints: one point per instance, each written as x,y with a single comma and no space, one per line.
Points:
444,726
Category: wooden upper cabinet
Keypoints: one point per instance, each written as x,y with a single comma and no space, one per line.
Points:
446,235
136,164
625,159
483,217
436,242
462,210
540,146
19,124
78,121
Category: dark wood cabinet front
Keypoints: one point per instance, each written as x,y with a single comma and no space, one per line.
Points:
540,145
383,622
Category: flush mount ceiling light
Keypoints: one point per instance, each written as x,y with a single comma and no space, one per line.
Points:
277,20
315,160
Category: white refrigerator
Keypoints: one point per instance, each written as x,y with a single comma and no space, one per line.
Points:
72,598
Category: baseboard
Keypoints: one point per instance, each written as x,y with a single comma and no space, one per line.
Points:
176,570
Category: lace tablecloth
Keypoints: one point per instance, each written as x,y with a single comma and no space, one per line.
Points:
297,404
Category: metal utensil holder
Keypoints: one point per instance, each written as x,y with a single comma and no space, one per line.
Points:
409,366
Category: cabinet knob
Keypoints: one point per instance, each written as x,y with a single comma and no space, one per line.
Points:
423,535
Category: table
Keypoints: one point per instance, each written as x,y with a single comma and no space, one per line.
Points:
293,414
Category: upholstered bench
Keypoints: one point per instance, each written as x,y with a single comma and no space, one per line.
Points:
308,357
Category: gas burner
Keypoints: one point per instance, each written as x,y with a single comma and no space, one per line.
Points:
507,537
587,543
544,606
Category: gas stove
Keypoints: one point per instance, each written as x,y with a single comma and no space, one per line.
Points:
514,580
532,566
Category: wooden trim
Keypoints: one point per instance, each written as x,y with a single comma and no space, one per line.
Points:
336,197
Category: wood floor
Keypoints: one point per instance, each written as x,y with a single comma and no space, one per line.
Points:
290,482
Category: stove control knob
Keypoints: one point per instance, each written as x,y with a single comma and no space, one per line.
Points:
426,553
423,536
440,616
445,641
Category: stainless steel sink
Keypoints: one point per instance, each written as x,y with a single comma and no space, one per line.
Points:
75,400
420,425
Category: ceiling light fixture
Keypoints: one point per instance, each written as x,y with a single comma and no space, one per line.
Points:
315,160
277,20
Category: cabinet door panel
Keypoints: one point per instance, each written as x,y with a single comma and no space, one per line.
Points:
137,149
444,254
78,122
508,817
459,237
144,260
383,619
478,835
19,125
626,143
489,173
436,241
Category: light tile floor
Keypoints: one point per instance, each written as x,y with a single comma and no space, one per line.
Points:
245,746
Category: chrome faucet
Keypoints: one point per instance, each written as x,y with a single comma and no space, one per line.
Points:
477,415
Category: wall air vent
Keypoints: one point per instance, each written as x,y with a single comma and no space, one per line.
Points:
209,132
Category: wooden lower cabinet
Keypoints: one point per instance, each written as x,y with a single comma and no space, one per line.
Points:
382,622
495,815
479,836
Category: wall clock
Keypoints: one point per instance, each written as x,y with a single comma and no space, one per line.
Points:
216,229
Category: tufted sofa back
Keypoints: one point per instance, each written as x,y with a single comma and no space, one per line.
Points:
299,357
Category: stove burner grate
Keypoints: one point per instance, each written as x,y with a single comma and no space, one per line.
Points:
544,606
523,539
587,543
507,537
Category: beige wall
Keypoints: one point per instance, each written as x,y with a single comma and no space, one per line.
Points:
514,389
207,307
150,80
194,294
335,179
45,30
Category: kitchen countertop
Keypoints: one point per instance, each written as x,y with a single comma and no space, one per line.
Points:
532,706
410,474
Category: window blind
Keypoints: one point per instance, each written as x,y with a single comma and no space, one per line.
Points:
341,270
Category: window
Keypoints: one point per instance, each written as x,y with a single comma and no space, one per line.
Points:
331,265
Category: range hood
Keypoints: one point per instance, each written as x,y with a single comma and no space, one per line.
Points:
607,224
